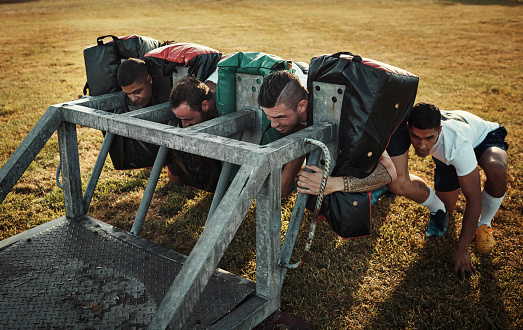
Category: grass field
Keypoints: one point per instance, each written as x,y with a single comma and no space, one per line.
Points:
468,55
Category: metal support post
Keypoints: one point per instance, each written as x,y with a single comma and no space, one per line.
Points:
97,170
149,190
223,182
268,236
68,144
28,149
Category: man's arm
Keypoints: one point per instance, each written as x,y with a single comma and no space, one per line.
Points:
309,183
471,188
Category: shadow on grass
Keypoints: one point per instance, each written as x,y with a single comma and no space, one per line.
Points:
328,284
429,295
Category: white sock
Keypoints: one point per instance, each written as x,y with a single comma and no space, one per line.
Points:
433,203
489,207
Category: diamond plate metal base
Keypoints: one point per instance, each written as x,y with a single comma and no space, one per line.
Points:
86,274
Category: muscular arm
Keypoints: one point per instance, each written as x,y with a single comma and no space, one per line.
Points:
309,183
471,188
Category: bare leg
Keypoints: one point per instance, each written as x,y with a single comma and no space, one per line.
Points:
449,199
494,162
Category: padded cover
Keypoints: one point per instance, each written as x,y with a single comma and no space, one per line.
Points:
163,61
377,98
102,61
255,63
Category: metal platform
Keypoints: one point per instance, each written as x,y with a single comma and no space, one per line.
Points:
86,274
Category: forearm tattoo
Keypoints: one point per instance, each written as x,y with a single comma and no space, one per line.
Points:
346,186
375,180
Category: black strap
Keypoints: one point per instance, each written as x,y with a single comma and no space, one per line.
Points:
338,54
99,40
355,58
263,134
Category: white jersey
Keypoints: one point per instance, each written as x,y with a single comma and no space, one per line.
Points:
213,77
461,132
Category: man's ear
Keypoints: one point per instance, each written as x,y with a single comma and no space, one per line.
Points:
149,79
205,106
302,106
302,110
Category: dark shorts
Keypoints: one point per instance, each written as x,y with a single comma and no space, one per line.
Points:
399,141
445,177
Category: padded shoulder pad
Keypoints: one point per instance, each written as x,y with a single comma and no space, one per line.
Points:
377,98
163,61
136,46
181,52
103,59
255,63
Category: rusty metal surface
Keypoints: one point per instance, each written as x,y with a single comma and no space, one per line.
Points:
87,275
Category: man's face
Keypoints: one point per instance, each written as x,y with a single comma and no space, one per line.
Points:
284,119
140,92
188,116
423,139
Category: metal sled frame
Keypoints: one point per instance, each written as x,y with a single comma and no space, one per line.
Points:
258,178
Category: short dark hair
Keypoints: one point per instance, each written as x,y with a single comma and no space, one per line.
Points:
132,70
281,87
425,116
191,91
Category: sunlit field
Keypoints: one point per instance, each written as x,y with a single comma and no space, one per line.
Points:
468,55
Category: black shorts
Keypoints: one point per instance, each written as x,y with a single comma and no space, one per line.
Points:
445,176
399,141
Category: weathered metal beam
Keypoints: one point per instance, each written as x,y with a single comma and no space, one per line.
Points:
196,142
97,170
28,149
190,141
292,146
227,125
106,102
68,144
216,237
268,236
249,314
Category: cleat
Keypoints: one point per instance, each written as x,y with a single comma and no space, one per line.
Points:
437,225
484,240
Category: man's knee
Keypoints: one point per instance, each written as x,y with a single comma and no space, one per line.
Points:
399,186
496,173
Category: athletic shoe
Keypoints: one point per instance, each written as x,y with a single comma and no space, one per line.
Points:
484,240
437,225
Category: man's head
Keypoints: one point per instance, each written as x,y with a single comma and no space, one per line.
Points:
284,100
424,124
192,101
135,80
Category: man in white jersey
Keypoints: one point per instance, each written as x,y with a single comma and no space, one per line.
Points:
458,141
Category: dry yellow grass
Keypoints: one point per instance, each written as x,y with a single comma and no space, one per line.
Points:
468,56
